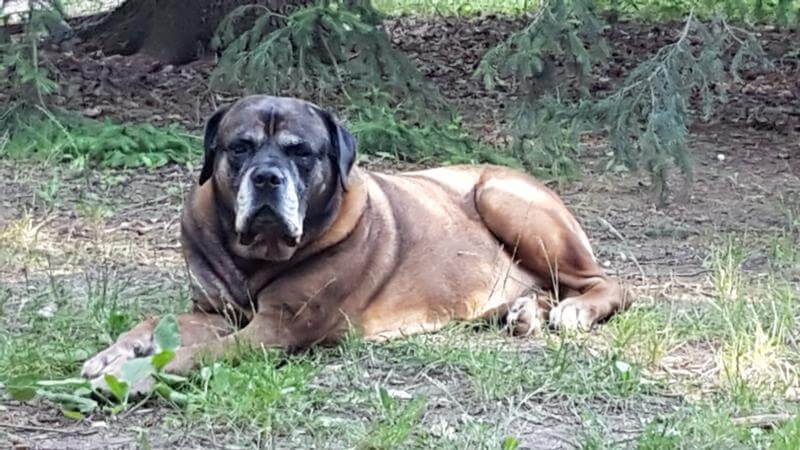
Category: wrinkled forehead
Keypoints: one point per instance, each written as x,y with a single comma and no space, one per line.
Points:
287,121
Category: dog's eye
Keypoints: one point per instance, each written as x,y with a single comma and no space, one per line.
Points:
300,150
241,148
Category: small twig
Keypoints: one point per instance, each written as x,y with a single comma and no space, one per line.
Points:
46,429
692,274
159,199
619,236
136,406
763,420
336,68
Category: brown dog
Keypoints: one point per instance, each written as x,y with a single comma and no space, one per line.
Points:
289,245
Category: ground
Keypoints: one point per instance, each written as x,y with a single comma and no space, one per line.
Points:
706,357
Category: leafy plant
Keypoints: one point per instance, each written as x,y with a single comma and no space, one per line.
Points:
88,143
75,395
568,28
404,134
559,27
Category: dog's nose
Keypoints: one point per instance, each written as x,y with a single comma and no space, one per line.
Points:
267,177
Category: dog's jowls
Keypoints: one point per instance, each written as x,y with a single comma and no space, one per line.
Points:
288,244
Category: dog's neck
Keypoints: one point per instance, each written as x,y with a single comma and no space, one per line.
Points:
349,212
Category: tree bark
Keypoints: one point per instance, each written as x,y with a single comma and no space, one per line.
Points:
171,31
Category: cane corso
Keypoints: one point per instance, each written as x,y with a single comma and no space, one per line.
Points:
289,244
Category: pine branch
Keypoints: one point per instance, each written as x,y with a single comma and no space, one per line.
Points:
332,48
645,119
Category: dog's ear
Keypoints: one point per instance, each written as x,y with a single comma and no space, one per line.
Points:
343,146
210,143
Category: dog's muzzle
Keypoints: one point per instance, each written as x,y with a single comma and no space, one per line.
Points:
268,188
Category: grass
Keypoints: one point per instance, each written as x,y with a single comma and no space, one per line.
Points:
61,326
665,374
454,7
670,372
397,134
391,395
84,143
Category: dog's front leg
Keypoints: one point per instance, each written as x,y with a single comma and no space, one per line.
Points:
262,331
194,328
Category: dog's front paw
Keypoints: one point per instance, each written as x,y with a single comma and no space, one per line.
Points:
573,314
111,361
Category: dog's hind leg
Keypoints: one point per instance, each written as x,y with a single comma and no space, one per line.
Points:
546,239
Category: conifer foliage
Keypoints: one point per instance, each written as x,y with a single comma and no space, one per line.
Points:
645,118
330,47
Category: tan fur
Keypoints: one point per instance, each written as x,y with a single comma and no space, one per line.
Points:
407,254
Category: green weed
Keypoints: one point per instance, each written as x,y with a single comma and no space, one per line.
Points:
60,325
75,394
404,134
786,437
395,424
84,143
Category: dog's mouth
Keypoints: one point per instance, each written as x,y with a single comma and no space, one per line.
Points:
249,238
268,237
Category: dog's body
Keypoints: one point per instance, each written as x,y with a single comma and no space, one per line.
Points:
386,255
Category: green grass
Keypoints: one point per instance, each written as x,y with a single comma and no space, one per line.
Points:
389,395
84,143
397,134
671,373
58,327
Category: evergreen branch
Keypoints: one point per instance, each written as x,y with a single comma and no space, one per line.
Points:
645,118
333,47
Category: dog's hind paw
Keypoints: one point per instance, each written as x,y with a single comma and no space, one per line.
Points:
573,314
524,317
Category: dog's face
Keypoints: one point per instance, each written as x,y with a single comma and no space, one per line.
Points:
278,165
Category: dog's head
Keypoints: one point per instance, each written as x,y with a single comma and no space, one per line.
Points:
279,165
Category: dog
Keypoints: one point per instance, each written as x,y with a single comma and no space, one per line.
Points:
289,244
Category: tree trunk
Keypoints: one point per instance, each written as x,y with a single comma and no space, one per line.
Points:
172,31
